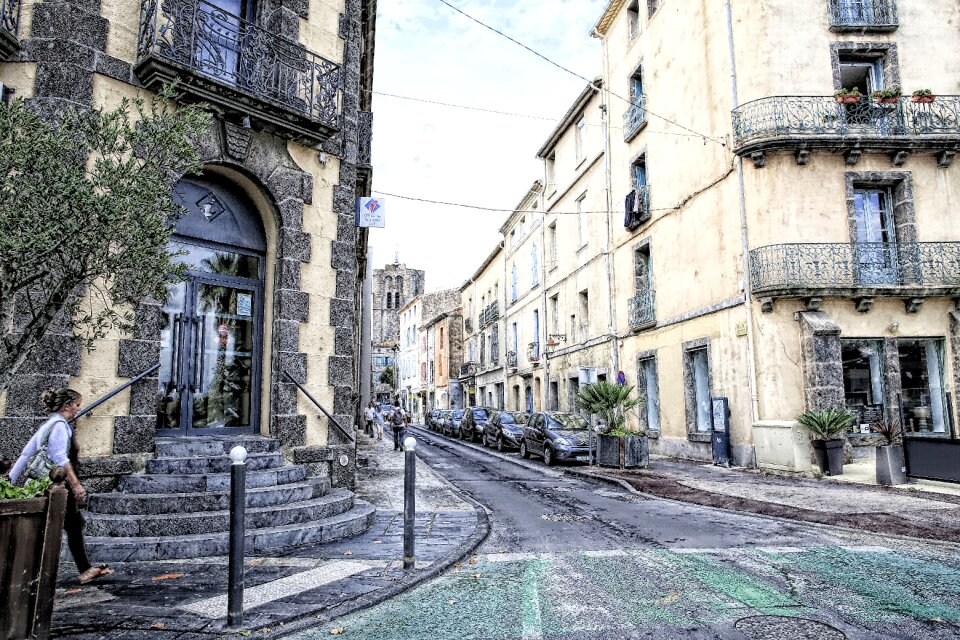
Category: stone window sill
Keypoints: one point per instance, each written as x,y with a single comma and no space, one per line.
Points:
699,437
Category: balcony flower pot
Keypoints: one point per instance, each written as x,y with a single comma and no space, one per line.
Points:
849,98
891,469
30,533
888,100
623,451
829,454
923,99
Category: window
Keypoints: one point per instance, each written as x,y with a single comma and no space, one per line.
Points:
862,362
555,313
536,331
552,246
513,239
573,328
650,391
652,6
921,380
578,138
515,337
696,378
523,227
633,19
534,265
389,301
554,396
875,252
550,170
582,230
583,307
396,300
514,285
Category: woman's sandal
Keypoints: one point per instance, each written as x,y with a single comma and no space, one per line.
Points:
93,573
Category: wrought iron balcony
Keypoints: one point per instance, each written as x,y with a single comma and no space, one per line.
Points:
863,15
9,23
635,118
468,369
857,269
779,122
468,325
240,67
641,208
365,140
490,314
641,313
512,360
533,352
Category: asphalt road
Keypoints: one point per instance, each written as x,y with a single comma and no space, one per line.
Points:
567,559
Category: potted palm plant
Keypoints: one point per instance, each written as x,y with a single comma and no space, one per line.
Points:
891,469
617,445
828,428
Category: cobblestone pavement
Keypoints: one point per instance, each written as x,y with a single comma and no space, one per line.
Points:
186,599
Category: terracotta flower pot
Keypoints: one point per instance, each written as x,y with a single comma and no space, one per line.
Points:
890,100
849,99
923,99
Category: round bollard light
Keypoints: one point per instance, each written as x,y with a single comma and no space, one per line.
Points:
238,454
410,444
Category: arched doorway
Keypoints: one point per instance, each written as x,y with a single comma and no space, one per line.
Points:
212,322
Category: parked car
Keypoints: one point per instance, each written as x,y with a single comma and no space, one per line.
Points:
432,419
475,419
505,429
556,436
443,421
454,422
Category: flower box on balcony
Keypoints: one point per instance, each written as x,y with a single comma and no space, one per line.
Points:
849,98
923,99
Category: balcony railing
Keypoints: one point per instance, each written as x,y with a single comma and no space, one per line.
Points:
468,369
533,352
863,15
640,310
634,118
468,325
808,119
783,269
488,315
9,23
239,66
512,360
365,139
640,212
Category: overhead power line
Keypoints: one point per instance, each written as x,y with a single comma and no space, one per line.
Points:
577,75
500,210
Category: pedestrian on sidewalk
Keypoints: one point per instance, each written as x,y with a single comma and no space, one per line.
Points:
398,420
53,445
369,415
378,422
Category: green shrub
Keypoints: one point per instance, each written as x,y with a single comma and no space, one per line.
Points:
30,489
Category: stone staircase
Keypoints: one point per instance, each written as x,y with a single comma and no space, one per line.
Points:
180,507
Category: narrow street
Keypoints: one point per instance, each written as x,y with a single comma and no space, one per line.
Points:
568,559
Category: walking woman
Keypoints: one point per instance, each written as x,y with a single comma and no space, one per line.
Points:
53,445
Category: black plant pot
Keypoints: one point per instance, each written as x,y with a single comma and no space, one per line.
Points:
829,455
625,452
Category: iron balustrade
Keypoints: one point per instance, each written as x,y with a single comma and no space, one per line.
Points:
640,310
870,264
823,116
533,352
10,15
468,369
137,378
634,118
863,15
488,315
206,40
365,139
641,211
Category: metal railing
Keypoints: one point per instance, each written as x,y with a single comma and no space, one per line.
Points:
873,264
330,418
488,315
640,310
863,15
140,376
634,117
533,352
800,116
10,15
206,40
512,360
365,139
468,369
641,210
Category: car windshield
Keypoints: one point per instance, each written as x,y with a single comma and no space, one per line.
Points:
458,414
569,421
479,413
517,417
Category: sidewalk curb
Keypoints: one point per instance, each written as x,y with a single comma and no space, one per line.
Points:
408,582
623,484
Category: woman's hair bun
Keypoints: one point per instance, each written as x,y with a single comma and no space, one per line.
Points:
49,396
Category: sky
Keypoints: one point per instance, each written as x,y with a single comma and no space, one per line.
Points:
428,51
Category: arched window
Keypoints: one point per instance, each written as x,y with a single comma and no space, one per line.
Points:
400,283
389,301
396,300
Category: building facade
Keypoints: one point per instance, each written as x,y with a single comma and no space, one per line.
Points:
393,287
283,163
408,360
482,371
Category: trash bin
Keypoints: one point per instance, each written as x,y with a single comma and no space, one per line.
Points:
720,436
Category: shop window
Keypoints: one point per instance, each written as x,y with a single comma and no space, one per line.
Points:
921,381
863,379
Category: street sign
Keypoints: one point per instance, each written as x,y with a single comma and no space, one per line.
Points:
371,212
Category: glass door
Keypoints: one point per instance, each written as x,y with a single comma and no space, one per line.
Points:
875,249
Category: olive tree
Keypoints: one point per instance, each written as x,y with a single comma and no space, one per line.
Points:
86,214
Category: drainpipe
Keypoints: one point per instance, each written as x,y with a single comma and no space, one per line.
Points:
744,242
506,326
545,388
608,185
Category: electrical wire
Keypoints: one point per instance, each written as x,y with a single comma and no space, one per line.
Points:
577,75
497,209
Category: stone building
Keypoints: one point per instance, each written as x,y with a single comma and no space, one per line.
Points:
482,372
393,287
408,361
284,159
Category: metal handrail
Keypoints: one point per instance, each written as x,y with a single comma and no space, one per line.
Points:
123,386
319,406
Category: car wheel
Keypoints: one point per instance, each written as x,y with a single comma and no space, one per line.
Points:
500,444
523,450
548,456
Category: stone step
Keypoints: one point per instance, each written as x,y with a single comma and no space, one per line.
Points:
213,446
350,523
218,464
334,503
196,483
159,503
